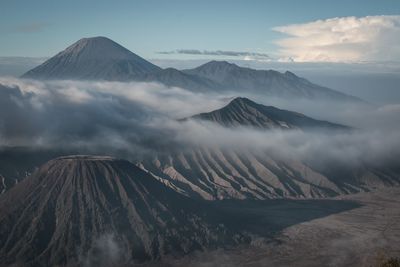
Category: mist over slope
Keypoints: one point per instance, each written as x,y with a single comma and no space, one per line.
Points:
138,121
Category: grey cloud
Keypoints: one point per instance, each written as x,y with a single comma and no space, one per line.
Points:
99,116
140,118
216,53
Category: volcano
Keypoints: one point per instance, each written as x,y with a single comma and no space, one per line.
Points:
77,210
95,58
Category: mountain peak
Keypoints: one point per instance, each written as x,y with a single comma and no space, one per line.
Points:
95,39
93,47
243,103
218,64
241,100
91,59
242,111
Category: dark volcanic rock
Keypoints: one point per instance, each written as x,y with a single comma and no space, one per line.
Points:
83,209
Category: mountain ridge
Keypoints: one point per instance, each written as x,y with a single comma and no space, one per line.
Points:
268,82
99,58
242,111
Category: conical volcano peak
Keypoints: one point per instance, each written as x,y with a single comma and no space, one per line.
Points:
95,47
94,39
95,58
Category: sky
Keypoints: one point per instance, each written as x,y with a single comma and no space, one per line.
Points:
251,30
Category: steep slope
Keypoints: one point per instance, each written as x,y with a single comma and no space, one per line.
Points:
223,173
244,112
97,58
228,172
267,82
81,209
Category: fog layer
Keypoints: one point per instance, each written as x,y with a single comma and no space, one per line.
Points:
139,118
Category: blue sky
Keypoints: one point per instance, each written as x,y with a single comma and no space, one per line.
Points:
43,28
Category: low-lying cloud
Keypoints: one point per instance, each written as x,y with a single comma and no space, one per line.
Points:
93,115
136,119
342,39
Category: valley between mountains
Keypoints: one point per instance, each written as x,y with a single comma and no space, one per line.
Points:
109,160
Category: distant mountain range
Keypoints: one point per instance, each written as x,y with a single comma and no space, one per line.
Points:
100,58
72,209
268,82
244,112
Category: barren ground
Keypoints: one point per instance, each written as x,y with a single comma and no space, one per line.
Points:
359,236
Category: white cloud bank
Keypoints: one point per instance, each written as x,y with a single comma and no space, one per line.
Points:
345,39
134,120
